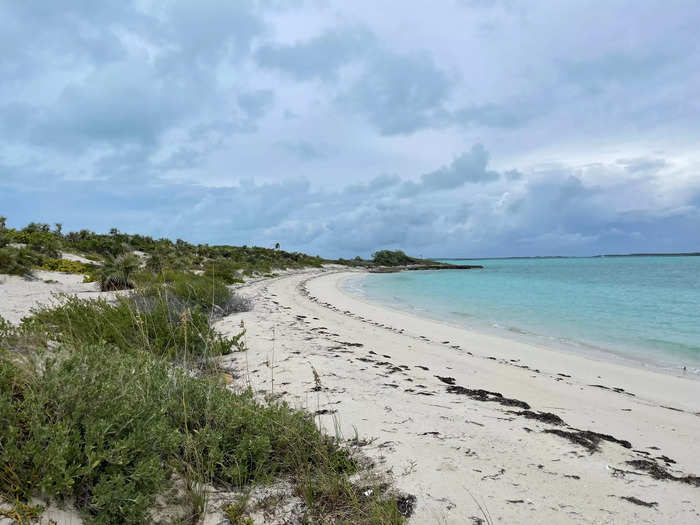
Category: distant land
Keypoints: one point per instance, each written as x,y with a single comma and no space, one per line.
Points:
689,254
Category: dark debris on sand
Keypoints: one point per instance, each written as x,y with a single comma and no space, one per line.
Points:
587,438
406,503
657,471
544,417
639,502
485,395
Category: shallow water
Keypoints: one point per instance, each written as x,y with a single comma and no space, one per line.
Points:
644,310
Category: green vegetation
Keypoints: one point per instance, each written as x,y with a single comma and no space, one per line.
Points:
236,512
64,265
393,258
116,272
109,405
115,249
228,263
17,261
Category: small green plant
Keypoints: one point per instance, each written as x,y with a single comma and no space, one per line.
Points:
21,513
236,511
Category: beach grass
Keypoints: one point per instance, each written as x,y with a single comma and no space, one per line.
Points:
109,405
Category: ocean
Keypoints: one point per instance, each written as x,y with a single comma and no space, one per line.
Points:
644,311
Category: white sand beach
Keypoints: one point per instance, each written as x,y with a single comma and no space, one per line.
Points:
466,455
423,399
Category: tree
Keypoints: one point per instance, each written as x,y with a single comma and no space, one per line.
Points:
277,246
59,228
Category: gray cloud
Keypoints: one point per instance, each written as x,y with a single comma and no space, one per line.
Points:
469,167
400,93
505,115
643,164
318,57
331,129
304,150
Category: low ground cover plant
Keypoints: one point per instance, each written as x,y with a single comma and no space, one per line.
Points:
106,405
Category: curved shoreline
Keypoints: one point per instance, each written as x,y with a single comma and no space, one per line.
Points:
541,341
487,418
647,382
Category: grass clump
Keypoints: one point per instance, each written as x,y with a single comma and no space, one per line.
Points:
236,512
156,323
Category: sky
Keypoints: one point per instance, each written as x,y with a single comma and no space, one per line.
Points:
477,128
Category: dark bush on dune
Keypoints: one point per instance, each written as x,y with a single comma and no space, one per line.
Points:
18,261
392,258
116,272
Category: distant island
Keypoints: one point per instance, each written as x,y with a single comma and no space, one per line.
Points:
600,256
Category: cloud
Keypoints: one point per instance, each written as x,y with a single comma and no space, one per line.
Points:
123,103
319,57
469,167
504,115
557,211
643,164
304,150
400,93
337,131
255,103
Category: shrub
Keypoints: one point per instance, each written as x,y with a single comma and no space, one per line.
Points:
209,294
89,432
111,437
67,266
223,269
392,258
116,272
17,261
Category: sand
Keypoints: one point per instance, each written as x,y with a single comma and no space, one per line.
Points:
466,458
19,295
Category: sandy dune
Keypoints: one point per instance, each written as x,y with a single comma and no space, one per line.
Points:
19,295
458,448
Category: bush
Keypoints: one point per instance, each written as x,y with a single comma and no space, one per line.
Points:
111,437
116,272
17,261
392,258
89,432
67,266
209,294
224,270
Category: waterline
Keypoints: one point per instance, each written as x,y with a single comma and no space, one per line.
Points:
642,310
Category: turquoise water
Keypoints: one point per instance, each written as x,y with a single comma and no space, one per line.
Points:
644,310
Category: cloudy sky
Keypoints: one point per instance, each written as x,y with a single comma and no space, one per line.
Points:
451,128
